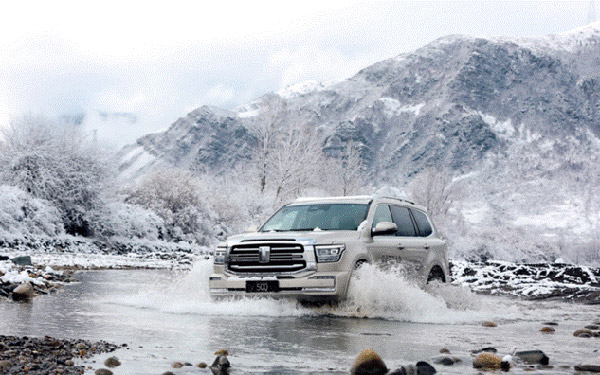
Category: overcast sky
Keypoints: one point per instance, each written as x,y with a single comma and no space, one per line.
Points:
160,61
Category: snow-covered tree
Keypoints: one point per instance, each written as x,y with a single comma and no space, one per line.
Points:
54,161
345,175
433,189
175,196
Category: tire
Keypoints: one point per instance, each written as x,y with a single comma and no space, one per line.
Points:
436,274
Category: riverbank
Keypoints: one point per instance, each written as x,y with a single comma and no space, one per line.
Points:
47,356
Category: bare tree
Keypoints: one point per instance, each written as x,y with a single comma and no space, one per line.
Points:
266,129
345,174
433,189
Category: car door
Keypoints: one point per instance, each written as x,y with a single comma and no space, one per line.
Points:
383,247
410,248
434,248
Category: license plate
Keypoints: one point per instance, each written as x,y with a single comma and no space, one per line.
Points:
268,286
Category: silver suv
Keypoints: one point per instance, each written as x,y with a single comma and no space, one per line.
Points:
309,248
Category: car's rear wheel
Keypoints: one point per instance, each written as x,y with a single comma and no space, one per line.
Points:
436,274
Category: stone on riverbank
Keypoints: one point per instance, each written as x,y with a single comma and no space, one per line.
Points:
533,357
489,324
112,362
24,292
368,362
41,356
103,371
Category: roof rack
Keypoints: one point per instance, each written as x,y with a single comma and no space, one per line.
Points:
398,199
349,197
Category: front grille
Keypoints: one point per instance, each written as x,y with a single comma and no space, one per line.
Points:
283,257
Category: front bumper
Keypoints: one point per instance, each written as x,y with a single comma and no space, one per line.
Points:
325,284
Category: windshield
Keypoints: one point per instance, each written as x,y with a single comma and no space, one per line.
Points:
317,217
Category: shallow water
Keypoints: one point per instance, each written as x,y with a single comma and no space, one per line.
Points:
166,316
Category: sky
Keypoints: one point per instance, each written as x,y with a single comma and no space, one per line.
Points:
156,62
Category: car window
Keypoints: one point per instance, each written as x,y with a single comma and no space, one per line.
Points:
403,220
382,214
422,222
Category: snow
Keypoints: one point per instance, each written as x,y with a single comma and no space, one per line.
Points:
393,107
502,128
135,160
303,88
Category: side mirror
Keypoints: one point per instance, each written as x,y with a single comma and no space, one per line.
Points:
384,228
251,229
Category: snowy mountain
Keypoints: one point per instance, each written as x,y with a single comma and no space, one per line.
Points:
517,120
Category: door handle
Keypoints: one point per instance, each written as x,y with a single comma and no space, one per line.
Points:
426,247
401,247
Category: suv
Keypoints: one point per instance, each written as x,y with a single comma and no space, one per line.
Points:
309,248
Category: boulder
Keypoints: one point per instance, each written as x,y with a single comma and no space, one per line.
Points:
177,365
23,292
487,361
532,357
103,371
594,327
112,362
547,330
202,365
489,324
5,364
368,362
22,261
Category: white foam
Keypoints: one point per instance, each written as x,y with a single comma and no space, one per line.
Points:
374,293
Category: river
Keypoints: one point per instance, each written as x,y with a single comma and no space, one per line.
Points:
167,316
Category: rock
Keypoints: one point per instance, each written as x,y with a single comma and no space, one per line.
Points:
23,292
533,357
220,365
547,330
582,333
103,371
506,363
69,362
445,360
594,327
177,365
202,365
368,362
444,351
22,261
489,324
112,362
424,368
168,373
484,350
5,364
487,361
421,368
550,323
222,352
588,367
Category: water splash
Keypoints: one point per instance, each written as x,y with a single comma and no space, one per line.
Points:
374,293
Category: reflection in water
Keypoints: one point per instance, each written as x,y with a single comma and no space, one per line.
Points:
166,317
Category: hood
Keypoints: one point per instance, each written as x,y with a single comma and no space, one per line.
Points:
321,237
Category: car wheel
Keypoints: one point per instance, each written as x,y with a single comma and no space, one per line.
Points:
436,274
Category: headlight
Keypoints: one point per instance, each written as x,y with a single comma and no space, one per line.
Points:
220,254
329,253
